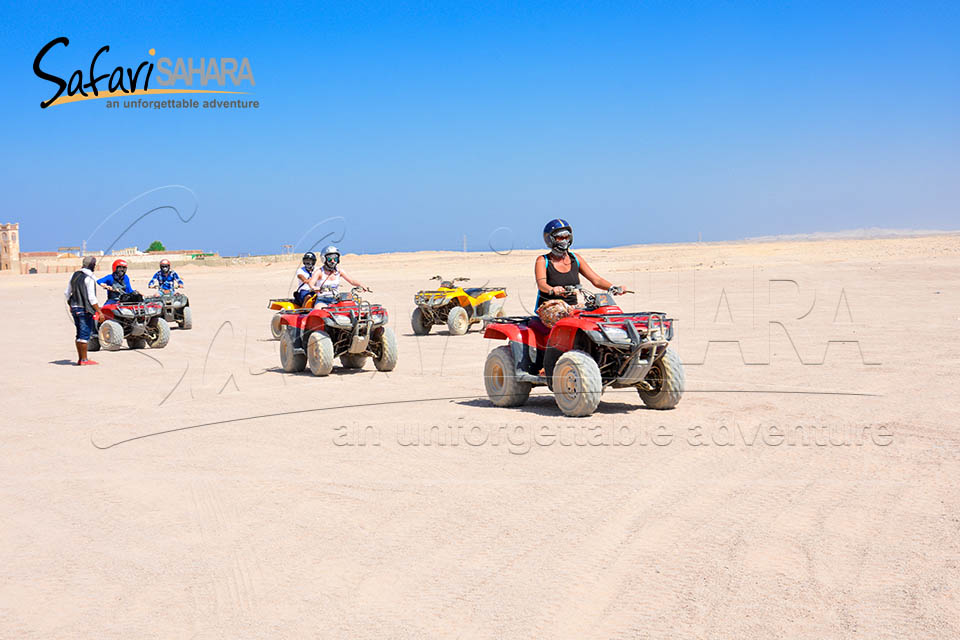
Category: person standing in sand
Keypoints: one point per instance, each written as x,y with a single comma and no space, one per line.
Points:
81,296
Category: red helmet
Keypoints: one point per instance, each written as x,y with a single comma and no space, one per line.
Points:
164,263
119,263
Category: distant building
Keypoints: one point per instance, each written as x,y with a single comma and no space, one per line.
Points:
129,251
10,246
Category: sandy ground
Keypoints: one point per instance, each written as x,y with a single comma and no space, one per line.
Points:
805,487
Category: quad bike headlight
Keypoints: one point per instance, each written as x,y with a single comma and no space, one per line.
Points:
126,313
342,320
377,318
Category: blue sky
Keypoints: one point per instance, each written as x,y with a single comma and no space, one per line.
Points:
419,122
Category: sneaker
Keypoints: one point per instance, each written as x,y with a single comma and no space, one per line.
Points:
83,363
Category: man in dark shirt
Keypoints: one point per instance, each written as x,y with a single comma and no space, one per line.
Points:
81,295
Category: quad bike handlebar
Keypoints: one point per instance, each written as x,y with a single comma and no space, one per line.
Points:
590,297
457,279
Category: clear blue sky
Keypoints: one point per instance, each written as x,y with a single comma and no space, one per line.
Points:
418,122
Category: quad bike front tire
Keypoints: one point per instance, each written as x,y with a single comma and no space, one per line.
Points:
458,322
320,353
420,322
353,360
667,379
163,335
93,344
500,379
111,335
290,360
138,342
275,327
577,384
388,351
187,321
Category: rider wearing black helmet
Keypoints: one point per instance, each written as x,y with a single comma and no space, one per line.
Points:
304,274
561,267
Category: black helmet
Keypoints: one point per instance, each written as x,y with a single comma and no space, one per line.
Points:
558,235
309,260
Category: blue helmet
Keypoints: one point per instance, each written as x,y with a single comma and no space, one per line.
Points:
552,230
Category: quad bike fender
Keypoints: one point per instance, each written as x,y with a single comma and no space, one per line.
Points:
295,320
282,305
511,332
563,335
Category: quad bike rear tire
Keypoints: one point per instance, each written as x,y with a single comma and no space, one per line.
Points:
275,327
667,378
353,360
388,351
420,322
187,322
458,322
137,342
290,361
577,384
320,353
163,335
500,379
111,335
93,344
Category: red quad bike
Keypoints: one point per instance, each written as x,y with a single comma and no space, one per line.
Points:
140,322
596,347
350,328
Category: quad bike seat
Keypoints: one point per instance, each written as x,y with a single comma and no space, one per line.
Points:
473,292
130,297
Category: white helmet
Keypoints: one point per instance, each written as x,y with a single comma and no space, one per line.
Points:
331,256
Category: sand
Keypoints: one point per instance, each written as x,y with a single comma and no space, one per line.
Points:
805,487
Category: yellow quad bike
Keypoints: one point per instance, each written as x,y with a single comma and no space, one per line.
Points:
456,306
285,304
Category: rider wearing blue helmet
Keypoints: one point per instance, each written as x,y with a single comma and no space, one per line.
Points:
561,267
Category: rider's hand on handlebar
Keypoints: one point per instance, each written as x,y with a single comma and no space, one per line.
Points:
559,291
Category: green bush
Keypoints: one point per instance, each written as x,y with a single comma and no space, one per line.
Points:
156,245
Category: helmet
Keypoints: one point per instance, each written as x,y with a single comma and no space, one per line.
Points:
558,235
120,264
331,256
309,260
165,265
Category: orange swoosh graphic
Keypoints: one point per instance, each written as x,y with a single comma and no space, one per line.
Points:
120,94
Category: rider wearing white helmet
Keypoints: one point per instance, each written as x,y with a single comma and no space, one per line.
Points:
326,279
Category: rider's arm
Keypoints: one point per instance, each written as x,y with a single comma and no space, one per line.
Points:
126,284
176,277
103,282
312,280
355,283
592,275
154,280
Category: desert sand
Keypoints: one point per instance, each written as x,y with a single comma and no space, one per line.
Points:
805,487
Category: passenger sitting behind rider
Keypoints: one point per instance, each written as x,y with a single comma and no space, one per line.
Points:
326,280
561,267
165,279
304,275
116,283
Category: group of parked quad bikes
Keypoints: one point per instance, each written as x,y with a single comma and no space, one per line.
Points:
596,346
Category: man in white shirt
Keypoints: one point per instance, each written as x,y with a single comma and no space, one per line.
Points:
81,296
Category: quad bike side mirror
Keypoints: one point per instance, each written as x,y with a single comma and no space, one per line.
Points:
437,278
460,279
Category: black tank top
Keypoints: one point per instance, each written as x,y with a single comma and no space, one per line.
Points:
560,279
